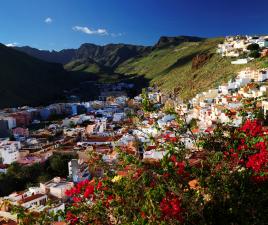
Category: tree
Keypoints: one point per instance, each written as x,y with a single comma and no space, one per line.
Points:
58,165
193,123
254,54
253,47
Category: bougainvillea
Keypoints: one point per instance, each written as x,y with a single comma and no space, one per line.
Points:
170,207
229,185
250,149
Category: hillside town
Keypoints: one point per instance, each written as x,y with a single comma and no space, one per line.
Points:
244,48
31,135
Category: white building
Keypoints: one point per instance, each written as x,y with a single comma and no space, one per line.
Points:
11,122
78,171
56,187
154,154
265,107
118,117
9,151
33,201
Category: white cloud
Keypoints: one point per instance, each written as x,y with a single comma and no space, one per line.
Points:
48,20
87,30
14,44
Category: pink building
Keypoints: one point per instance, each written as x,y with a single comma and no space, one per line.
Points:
19,131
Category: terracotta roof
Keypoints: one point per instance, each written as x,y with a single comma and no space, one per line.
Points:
122,173
151,147
30,198
195,130
60,223
102,139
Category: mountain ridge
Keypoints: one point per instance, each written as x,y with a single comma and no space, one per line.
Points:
109,55
29,81
182,65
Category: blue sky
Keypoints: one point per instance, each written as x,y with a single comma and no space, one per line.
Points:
58,24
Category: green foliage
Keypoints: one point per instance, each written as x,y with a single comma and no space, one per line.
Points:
86,66
58,165
193,123
254,54
19,177
147,105
221,189
253,47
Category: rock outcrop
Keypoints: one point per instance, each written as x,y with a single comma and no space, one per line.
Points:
199,60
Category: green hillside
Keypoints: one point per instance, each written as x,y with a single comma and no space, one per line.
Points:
88,69
83,65
182,65
171,67
28,81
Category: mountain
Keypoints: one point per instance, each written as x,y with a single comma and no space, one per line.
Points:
184,66
86,65
110,55
26,80
165,41
181,65
62,57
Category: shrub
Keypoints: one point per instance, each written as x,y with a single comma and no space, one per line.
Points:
254,54
253,47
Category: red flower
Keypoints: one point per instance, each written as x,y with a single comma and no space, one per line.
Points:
258,161
259,179
143,215
166,175
71,218
173,158
99,186
76,199
181,167
138,173
108,200
170,207
89,191
252,128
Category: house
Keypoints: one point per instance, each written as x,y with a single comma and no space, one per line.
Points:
78,171
241,61
110,157
265,107
154,154
22,118
118,117
32,201
56,187
9,151
98,140
224,89
20,131
45,113
11,122
90,128
262,76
